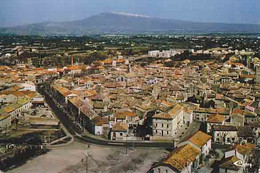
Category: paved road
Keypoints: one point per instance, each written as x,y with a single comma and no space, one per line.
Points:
72,129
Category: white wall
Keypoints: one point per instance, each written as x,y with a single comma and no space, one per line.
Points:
27,86
5,122
206,148
162,127
229,134
98,130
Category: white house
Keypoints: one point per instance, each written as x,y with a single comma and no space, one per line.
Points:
225,134
214,119
200,140
182,160
167,124
27,86
10,98
119,131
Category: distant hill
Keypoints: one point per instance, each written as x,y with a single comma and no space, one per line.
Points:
128,23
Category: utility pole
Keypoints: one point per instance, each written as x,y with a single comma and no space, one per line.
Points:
133,144
87,162
126,145
86,156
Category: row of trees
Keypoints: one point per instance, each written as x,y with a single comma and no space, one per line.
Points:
19,155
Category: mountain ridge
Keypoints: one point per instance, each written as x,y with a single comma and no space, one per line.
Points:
111,22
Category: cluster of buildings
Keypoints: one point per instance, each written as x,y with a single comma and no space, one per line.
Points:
19,97
120,101
125,101
187,156
164,53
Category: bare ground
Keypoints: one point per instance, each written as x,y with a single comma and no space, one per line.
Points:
72,159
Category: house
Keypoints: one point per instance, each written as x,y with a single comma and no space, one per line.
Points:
7,98
183,159
245,134
5,121
202,114
100,103
237,159
39,100
230,165
61,93
167,124
27,86
73,70
214,119
256,129
86,115
74,105
9,113
254,107
119,131
97,125
200,140
250,117
225,134
126,116
237,117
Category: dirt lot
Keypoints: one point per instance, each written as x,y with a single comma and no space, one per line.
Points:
71,159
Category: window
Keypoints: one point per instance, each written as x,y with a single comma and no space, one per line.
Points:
162,125
166,171
159,170
121,134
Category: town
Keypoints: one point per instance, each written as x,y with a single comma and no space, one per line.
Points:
197,96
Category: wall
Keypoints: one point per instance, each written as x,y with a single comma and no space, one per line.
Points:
229,134
162,127
98,130
163,169
5,122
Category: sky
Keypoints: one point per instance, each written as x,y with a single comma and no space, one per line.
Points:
18,12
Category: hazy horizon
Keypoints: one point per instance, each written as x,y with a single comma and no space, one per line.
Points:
19,12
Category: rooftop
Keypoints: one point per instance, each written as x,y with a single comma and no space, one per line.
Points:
182,156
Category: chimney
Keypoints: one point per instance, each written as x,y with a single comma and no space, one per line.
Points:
71,60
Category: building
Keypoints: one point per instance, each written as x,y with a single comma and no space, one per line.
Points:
167,124
225,134
237,159
183,159
214,119
27,86
164,53
119,131
258,74
200,140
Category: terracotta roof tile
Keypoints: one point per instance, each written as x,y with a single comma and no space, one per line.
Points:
200,138
182,156
216,118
